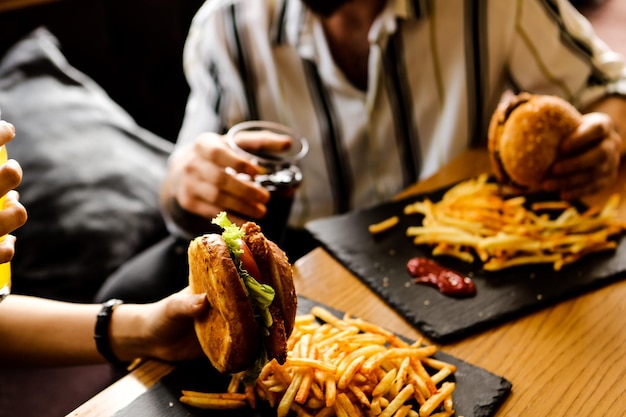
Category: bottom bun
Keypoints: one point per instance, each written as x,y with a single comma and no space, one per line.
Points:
227,332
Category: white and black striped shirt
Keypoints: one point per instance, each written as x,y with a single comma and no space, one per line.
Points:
437,69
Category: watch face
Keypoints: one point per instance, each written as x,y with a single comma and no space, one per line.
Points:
112,302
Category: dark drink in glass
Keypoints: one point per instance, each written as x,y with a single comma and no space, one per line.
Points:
281,175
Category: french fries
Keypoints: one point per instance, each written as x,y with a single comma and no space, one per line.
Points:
345,367
473,220
383,225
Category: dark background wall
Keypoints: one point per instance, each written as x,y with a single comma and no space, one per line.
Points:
132,48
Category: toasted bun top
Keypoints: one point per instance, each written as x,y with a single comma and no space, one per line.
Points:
276,271
228,332
524,136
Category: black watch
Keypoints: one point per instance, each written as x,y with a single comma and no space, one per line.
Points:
101,333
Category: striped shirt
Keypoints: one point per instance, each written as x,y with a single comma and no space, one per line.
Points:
437,69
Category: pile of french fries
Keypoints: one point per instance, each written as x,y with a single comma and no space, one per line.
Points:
473,219
344,367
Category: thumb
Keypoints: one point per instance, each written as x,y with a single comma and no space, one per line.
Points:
194,304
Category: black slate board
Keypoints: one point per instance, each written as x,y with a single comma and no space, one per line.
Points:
478,393
380,262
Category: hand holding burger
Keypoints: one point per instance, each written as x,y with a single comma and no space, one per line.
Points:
540,142
590,158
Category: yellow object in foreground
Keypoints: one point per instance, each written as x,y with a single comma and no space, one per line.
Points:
5,268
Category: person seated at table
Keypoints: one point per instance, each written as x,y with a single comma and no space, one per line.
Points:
37,331
386,92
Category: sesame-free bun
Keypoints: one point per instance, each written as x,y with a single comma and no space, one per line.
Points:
227,332
524,136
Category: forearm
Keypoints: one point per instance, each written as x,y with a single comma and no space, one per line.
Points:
614,106
37,331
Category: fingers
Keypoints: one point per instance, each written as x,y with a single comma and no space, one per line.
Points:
263,141
7,248
593,129
193,304
214,178
13,214
7,132
213,148
590,159
10,176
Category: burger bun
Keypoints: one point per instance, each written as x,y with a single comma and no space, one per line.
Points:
524,136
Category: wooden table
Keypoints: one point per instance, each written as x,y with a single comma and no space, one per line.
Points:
565,360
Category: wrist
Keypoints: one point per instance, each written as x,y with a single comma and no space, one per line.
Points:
126,333
104,334
183,223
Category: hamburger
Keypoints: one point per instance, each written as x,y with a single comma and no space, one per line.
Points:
249,284
524,136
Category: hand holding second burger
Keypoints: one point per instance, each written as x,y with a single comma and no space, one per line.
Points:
589,158
542,142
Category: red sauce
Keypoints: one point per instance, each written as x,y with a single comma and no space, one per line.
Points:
449,282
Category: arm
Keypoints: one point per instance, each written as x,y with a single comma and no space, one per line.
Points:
38,331
197,185
588,74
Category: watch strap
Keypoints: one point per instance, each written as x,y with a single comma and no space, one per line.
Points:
101,332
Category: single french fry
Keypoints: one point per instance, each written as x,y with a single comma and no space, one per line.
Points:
250,395
346,405
285,403
214,395
300,411
331,392
402,411
233,385
305,386
384,225
438,364
212,403
360,396
437,398
375,407
442,374
313,363
385,384
326,412
397,402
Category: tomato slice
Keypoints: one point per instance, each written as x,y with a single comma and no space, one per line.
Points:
248,263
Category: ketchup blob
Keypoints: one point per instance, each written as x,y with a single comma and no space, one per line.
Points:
449,282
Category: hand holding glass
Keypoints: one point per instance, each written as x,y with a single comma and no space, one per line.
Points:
280,174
